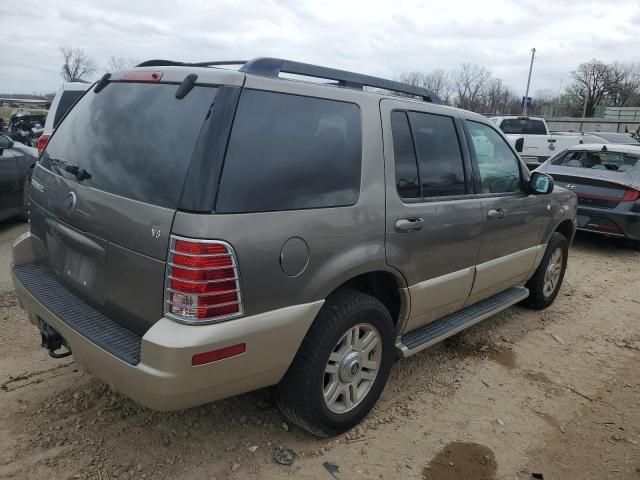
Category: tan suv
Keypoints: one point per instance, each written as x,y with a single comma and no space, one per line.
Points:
198,232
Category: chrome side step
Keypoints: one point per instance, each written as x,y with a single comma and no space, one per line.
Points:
432,333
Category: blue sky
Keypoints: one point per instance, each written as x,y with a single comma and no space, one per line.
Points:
378,38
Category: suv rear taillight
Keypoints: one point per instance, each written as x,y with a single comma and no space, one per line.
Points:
202,284
42,142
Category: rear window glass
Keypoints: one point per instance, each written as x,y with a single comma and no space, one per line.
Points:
131,139
439,155
67,99
523,126
289,152
598,160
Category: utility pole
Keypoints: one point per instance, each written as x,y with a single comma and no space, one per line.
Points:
526,95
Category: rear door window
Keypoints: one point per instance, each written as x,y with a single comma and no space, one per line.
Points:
439,155
289,152
131,139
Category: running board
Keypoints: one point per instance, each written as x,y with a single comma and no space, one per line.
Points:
432,333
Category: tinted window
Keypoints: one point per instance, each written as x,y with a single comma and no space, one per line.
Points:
498,165
67,99
132,139
439,155
289,152
597,160
407,179
522,126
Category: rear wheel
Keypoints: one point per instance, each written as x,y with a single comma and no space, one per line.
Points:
341,367
546,282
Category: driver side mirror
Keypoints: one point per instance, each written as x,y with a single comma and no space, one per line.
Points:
5,142
540,183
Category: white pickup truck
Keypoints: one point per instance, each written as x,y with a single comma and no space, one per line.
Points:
531,138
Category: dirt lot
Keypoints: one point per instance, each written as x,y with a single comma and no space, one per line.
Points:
554,392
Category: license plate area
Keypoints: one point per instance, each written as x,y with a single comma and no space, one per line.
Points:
79,260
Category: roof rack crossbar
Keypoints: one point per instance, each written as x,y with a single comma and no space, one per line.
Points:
273,67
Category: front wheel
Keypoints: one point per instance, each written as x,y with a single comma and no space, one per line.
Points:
341,367
546,282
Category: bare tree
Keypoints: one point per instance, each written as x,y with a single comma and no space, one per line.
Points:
78,65
415,79
545,102
497,97
593,82
625,88
440,83
121,63
469,80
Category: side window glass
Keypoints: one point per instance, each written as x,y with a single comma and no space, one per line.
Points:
406,166
498,165
289,152
439,156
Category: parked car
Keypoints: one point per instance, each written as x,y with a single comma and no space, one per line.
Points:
199,232
609,137
64,99
606,179
532,139
16,167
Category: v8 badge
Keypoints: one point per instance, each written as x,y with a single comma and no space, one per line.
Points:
155,231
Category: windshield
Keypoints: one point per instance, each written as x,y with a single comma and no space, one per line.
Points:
523,126
131,139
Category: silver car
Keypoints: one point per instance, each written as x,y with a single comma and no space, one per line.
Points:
606,179
198,232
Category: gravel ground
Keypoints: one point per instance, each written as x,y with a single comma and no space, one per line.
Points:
555,392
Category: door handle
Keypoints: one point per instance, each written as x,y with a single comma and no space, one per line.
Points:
404,225
495,213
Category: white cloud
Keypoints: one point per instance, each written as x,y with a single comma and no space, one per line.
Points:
374,37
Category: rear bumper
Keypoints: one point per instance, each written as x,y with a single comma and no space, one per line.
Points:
164,378
609,222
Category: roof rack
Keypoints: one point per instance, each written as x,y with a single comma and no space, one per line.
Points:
273,67
172,63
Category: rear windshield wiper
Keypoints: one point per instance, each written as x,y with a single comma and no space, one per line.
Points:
79,173
103,82
186,86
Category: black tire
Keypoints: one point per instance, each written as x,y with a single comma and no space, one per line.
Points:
300,393
24,215
537,299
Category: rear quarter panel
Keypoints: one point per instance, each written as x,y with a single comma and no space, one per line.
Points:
563,205
342,242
